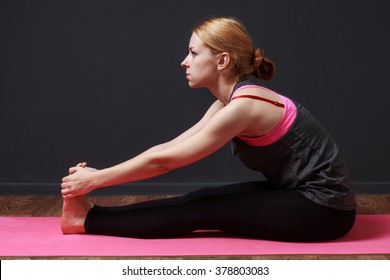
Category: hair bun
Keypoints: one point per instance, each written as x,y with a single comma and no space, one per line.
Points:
263,67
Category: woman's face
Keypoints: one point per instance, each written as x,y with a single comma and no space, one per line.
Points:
200,64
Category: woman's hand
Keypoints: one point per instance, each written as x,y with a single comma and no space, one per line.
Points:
78,182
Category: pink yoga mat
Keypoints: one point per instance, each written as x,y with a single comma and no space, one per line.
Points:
41,236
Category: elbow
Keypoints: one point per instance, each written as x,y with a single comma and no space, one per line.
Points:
160,166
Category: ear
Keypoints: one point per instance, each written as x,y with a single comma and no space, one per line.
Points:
223,61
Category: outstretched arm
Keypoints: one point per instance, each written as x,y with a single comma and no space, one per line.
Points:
218,127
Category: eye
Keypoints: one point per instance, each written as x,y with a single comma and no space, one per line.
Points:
193,53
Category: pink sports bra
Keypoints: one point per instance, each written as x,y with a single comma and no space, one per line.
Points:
286,121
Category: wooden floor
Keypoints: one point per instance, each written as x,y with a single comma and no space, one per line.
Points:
50,206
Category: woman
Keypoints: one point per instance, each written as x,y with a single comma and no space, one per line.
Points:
307,195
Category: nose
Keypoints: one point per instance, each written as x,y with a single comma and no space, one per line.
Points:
184,63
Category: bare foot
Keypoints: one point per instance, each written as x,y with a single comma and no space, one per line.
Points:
74,212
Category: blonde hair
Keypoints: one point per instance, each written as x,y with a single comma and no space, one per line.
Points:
230,35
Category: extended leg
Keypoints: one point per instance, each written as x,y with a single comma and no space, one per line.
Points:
250,209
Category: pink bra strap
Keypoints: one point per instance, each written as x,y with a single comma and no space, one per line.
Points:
276,103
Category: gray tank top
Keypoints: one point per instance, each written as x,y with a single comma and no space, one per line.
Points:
306,159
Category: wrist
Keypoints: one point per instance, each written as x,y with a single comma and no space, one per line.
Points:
96,179
102,178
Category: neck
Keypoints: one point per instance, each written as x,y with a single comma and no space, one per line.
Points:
223,89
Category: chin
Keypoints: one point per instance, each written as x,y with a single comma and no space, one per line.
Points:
192,85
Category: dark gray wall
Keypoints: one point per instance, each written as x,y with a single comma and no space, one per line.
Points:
100,81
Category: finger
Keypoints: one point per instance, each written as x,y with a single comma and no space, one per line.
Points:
66,179
67,196
64,192
82,164
73,170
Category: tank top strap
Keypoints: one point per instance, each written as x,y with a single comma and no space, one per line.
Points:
276,103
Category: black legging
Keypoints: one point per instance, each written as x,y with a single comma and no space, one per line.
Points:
251,209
